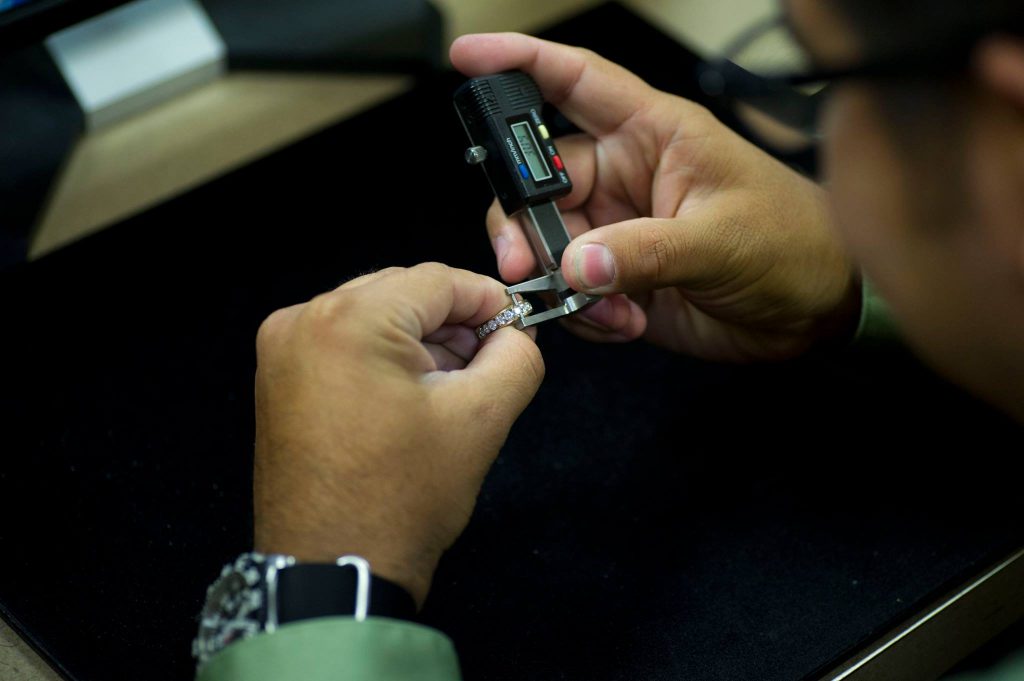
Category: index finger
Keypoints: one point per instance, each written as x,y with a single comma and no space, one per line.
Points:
594,93
424,298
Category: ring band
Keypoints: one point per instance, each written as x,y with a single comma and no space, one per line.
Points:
517,310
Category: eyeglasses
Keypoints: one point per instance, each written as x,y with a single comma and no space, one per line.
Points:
767,68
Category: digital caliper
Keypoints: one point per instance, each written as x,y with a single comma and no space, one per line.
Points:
502,116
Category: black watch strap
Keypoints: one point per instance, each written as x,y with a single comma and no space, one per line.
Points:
309,590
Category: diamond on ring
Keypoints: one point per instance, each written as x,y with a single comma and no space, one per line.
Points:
518,309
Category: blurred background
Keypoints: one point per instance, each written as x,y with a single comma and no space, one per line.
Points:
245,78
173,170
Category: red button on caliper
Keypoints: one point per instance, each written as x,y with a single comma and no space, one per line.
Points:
558,162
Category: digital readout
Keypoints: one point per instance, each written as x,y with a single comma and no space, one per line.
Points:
528,145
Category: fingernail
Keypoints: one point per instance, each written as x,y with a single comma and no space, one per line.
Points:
595,266
501,248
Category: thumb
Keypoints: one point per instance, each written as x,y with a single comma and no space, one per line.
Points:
643,254
499,382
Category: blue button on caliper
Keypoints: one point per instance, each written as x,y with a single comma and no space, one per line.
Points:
523,171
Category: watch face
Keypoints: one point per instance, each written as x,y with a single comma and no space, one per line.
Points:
234,607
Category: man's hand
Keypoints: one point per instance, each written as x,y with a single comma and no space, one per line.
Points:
378,413
724,253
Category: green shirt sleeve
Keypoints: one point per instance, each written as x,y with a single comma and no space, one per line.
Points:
1010,669
876,321
338,649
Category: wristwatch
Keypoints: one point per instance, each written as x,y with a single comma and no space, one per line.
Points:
260,592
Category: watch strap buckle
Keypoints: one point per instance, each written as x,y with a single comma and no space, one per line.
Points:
362,583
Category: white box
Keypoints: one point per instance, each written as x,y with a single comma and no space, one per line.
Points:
137,55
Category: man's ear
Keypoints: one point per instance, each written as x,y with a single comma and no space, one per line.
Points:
999,65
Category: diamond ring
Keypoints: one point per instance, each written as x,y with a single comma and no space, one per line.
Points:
517,310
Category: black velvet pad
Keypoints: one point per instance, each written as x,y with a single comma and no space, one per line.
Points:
651,517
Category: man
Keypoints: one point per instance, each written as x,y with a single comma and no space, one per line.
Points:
376,418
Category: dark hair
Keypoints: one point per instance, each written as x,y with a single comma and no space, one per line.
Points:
902,26
926,116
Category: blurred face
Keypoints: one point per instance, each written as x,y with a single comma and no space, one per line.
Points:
914,178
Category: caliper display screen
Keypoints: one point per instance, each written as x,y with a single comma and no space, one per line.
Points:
528,145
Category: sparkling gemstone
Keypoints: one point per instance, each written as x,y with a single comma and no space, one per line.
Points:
492,325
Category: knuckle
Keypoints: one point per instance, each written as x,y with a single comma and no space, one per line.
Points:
694,112
588,55
323,314
325,306
588,58
436,269
270,331
368,277
694,115
434,272
655,252
389,271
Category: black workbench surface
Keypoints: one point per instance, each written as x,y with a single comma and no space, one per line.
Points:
651,517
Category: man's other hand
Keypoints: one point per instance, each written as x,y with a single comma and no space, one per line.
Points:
378,414
722,252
